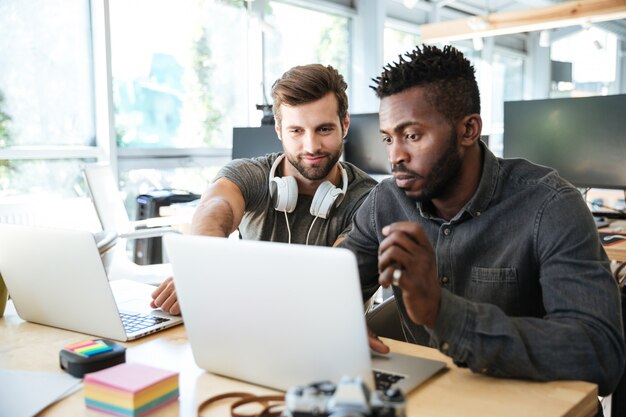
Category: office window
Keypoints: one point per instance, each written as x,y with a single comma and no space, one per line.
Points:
508,85
46,96
178,72
593,54
397,42
296,36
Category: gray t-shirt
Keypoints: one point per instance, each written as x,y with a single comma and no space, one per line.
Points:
262,222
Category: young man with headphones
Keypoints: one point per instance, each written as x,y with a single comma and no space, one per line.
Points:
304,195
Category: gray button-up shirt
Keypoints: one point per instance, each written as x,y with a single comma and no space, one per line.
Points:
527,289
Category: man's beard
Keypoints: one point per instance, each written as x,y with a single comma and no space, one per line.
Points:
315,173
442,177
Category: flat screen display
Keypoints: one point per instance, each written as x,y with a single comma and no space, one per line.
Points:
584,139
249,142
364,146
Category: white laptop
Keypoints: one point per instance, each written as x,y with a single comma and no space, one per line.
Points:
56,277
279,315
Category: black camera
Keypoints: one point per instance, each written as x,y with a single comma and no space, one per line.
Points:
351,397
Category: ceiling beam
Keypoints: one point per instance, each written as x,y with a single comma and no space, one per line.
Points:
528,20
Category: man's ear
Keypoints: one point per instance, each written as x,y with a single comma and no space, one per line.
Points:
471,127
346,125
277,130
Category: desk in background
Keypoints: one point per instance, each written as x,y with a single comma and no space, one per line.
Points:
453,392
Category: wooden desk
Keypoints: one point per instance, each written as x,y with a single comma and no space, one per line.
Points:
453,392
616,252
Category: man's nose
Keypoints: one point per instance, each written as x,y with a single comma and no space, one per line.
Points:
311,142
396,153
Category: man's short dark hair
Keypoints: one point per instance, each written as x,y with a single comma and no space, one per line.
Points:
447,75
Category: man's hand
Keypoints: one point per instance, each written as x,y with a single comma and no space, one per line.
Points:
165,297
376,344
407,250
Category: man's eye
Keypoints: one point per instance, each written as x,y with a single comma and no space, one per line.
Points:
326,129
412,136
387,140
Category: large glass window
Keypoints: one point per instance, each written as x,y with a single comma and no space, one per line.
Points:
298,36
508,85
397,42
179,72
592,53
46,96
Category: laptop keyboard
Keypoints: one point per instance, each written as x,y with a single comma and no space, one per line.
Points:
133,322
385,380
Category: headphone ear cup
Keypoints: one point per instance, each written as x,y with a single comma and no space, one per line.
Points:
284,193
324,199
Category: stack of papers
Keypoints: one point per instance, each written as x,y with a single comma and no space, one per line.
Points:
130,389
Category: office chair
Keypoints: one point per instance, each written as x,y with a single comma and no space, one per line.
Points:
113,217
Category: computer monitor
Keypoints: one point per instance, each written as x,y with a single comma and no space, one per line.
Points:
249,142
584,139
364,146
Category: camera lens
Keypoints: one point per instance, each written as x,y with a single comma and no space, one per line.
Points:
311,390
326,387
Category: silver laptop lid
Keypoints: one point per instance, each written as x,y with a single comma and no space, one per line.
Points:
272,314
56,277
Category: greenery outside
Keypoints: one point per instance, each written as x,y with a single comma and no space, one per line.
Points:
5,141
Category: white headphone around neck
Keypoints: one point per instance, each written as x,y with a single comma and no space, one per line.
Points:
284,192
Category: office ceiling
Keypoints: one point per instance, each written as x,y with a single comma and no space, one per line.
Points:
418,10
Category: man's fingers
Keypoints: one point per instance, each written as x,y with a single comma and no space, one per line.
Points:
410,228
376,344
164,297
171,306
164,285
175,309
405,234
386,277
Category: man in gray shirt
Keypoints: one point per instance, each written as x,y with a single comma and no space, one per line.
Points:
304,195
495,262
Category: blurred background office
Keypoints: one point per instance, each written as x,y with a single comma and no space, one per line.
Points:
156,87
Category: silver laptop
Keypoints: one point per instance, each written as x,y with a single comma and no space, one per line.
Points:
280,315
56,277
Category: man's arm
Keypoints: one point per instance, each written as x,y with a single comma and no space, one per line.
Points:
219,213
220,210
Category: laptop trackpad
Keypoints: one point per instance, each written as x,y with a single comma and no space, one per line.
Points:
131,296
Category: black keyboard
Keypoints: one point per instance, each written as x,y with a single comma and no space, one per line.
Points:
385,380
133,322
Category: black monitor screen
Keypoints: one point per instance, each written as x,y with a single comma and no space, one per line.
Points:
364,146
584,139
249,142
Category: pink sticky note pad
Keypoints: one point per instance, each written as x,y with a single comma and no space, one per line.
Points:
129,377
